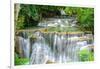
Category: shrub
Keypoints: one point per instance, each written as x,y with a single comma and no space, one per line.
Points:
86,55
20,61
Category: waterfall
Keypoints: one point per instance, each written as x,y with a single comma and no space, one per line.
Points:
53,47
40,50
24,46
59,48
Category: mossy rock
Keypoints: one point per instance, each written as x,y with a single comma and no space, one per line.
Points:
33,37
49,62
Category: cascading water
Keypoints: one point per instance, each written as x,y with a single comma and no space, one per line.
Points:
53,47
24,46
40,51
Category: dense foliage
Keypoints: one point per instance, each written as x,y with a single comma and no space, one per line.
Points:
85,17
86,55
20,61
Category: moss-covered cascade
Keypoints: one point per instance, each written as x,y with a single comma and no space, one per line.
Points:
29,15
49,37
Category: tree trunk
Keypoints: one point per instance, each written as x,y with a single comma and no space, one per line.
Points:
16,12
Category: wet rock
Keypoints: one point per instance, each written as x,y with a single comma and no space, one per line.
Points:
18,49
22,34
49,62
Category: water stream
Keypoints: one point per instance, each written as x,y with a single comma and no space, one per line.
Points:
53,47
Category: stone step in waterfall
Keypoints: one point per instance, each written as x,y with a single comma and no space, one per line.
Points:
52,47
